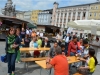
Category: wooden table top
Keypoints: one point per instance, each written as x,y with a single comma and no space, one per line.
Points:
32,49
71,59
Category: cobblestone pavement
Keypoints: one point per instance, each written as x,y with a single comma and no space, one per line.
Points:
33,68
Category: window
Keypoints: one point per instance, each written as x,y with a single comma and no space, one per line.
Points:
84,14
94,14
65,14
69,14
91,7
64,26
90,14
79,14
61,14
74,14
68,20
61,20
64,20
57,20
96,7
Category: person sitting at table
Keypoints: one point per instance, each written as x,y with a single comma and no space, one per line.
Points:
39,41
34,44
80,44
86,48
59,63
90,63
52,50
33,34
46,43
73,47
63,49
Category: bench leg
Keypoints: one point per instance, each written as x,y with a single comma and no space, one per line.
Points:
40,70
26,65
24,55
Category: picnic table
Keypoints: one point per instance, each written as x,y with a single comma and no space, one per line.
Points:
42,63
27,49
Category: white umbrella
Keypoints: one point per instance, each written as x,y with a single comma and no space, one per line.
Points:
84,24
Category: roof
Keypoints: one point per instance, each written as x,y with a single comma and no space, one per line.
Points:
16,19
51,26
79,5
50,11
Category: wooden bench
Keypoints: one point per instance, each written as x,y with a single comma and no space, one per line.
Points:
32,59
77,74
27,60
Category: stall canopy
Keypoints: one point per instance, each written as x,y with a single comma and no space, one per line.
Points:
84,24
30,25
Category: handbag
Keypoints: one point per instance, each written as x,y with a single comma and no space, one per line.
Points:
4,58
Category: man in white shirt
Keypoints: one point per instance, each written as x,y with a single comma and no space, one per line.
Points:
67,39
41,34
27,31
95,44
59,38
38,32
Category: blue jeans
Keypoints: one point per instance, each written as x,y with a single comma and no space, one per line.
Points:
66,48
11,58
72,54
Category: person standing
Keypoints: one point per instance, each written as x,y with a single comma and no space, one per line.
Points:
59,38
38,33
18,41
59,63
23,33
27,41
67,40
96,44
11,53
41,34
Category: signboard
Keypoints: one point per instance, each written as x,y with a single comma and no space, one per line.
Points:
93,30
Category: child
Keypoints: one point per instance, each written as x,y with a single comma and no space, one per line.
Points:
91,63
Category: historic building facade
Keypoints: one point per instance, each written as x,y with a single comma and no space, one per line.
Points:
64,15
27,15
94,11
45,17
20,14
34,16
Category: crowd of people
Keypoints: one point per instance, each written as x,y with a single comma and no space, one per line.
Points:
62,47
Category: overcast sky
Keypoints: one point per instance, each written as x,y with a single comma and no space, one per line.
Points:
42,4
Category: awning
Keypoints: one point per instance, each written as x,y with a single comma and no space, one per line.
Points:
31,25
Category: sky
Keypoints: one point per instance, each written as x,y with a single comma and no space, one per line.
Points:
24,5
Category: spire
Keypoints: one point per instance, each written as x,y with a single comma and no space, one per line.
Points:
9,9
9,3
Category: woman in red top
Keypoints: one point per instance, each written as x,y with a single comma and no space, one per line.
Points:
80,44
73,47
